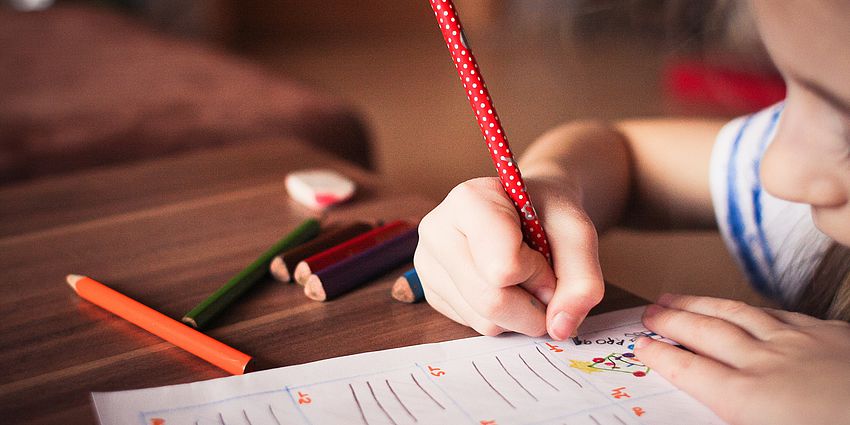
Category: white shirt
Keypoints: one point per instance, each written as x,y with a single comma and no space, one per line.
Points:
775,241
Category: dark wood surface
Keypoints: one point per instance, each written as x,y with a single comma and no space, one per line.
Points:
167,233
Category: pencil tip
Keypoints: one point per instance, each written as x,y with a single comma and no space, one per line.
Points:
190,321
72,280
279,271
401,291
313,289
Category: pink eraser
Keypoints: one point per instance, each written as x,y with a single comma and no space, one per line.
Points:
319,188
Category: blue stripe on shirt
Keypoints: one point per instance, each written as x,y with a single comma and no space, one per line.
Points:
735,218
756,191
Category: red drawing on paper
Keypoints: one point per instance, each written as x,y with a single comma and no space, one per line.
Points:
614,362
638,411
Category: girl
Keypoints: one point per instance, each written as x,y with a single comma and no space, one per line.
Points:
778,185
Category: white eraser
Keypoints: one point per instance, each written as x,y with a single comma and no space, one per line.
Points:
319,188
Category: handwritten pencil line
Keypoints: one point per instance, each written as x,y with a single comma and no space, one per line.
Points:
387,381
381,406
221,419
426,392
359,407
245,414
558,369
593,419
274,416
515,379
491,385
535,372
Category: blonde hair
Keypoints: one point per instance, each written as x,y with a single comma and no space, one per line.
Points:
828,294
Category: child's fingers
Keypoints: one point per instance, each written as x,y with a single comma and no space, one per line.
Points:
706,380
541,282
438,303
579,284
754,320
495,239
439,289
706,335
435,300
510,307
792,318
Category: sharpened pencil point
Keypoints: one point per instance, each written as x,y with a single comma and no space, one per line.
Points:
302,273
72,280
314,290
190,321
279,271
401,291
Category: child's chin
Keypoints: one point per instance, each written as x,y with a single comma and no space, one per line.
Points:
834,222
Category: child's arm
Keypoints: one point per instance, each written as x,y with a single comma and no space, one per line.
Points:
644,172
474,265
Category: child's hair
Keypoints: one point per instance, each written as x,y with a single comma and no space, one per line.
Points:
827,296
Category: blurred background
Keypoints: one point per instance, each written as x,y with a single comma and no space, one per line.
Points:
383,70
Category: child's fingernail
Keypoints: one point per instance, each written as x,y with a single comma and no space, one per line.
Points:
652,309
562,326
642,342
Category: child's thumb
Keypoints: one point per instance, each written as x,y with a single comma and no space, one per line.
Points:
579,285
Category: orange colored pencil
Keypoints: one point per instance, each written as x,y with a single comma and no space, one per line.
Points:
203,346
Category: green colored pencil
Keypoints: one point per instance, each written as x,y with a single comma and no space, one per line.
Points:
209,308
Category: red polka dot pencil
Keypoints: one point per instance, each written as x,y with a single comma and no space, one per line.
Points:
489,123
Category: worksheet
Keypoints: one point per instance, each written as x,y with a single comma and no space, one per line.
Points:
594,379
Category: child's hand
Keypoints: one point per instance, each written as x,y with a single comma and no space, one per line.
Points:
752,365
476,269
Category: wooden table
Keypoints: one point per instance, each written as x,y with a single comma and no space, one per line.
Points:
167,233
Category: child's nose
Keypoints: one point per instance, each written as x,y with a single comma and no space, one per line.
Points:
792,170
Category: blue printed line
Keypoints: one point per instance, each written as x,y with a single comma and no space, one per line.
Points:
210,403
296,406
416,366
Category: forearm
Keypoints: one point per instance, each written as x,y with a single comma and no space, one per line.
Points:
589,158
644,172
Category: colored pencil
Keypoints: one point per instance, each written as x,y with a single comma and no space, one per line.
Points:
351,247
200,316
203,346
356,270
489,123
282,267
407,288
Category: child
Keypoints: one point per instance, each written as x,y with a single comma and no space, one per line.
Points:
778,185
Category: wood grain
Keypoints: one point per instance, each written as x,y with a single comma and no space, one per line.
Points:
168,233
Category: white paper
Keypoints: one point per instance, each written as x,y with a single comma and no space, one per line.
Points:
509,379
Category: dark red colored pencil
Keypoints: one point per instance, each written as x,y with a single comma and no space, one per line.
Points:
282,267
353,246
